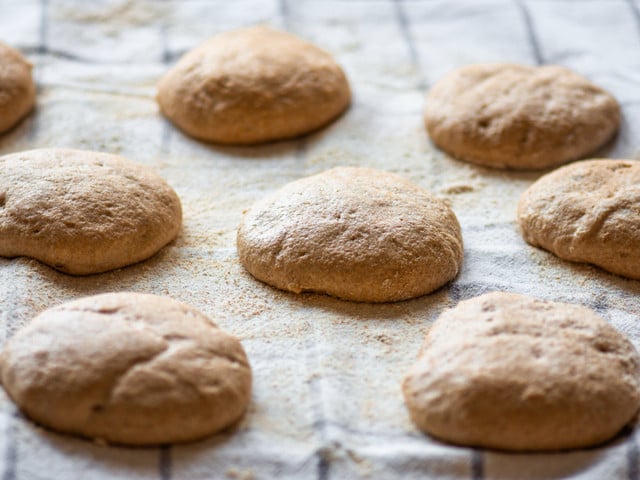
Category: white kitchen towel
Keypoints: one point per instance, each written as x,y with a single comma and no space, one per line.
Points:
327,403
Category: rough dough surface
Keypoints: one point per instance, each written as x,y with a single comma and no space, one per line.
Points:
511,372
127,368
588,212
17,90
355,233
83,212
519,117
253,85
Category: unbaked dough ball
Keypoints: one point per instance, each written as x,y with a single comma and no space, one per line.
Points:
511,372
83,212
354,233
127,368
17,90
589,212
253,85
519,117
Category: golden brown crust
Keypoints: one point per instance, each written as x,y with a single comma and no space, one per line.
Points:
520,117
510,372
127,368
589,212
253,85
83,212
354,233
17,90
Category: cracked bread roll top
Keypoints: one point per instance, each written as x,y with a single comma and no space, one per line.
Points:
511,372
519,117
127,368
253,85
17,89
587,212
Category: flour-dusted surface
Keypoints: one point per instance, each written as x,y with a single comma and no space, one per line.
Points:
327,401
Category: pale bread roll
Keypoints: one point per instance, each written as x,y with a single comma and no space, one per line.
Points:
253,85
588,212
83,212
355,233
127,368
510,372
519,117
17,89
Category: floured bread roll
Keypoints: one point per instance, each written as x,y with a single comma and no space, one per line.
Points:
253,85
520,117
17,90
511,372
83,212
127,368
589,212
354,233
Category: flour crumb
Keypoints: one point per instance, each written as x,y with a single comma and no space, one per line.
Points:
457,189
240,474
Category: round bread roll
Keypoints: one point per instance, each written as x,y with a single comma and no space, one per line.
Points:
253,85
17,90
519,117
511,372
354,233
127,368
589,212
83,212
